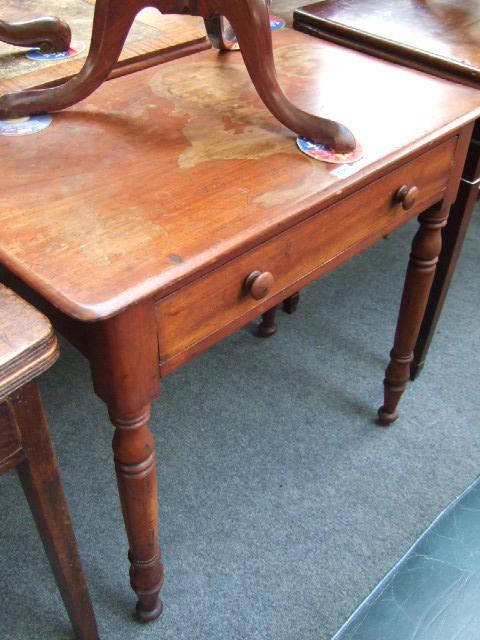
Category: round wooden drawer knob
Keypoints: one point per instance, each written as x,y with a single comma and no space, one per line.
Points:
406,196
258,284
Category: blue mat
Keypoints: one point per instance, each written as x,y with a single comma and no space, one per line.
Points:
433,593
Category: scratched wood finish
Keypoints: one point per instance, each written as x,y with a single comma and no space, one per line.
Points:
442,36
438,36
27,348
194,176
169,223
297,256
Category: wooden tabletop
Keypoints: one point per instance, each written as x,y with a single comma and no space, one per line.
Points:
27,343
441,34
163,174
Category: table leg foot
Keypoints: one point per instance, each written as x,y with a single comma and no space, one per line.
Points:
385,418
426,248
149,608
268,326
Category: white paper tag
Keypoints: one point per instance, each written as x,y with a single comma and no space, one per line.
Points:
344,171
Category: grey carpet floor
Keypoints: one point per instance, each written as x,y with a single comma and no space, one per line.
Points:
282,503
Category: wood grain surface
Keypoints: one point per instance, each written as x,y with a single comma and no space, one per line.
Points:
436,34
163,175
197,311
27,343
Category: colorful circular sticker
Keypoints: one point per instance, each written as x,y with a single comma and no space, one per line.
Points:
24,126
322,152
36,54
276,23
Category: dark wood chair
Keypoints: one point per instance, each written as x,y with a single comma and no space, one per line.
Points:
49,34
27,348
249,20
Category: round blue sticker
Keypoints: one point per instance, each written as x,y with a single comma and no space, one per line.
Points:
36,54
24,126
276,23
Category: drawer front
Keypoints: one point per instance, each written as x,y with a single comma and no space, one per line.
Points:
192,314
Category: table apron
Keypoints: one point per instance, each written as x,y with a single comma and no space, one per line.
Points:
200,314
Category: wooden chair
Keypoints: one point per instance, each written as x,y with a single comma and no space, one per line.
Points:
27,348
50,34
249,20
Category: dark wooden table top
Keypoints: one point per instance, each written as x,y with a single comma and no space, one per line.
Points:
442,35
27,343
164,174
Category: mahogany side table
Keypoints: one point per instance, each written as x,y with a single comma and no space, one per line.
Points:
171,208
440,37
27,348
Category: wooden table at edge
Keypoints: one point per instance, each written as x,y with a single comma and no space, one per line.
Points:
436,37
136,217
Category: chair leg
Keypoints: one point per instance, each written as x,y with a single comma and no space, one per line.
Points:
111,24
50,34
251,22
41,483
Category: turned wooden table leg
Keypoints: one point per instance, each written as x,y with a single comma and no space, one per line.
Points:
453,237
290,304
268,326
50,34
134,455
123,354
421,270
